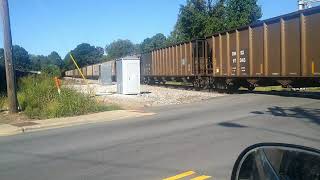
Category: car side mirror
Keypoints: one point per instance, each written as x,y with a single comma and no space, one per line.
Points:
274,161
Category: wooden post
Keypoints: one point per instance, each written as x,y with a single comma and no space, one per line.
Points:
10,72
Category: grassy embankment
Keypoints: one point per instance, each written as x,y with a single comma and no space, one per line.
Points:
39,99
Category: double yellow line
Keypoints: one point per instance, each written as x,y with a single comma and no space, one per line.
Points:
186,174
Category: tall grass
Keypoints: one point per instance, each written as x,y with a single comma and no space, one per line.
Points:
3,102
38,98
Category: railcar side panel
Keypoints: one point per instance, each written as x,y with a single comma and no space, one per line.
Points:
189,59
179,60
167,62
274,49
244,52
76,73
209,57
291,51
96,70
183,58
257,51
224,59
146,62
175,67
217,54
157,63
84,71
312,23
163,67
90,71
160,62
233,53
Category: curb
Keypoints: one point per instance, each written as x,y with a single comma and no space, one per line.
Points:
8,130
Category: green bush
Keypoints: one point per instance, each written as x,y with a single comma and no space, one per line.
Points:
3,102
52,70
39,98
2,79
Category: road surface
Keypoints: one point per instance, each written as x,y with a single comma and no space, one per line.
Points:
196,139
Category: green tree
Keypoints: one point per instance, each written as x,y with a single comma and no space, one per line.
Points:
55,59
191,21
157,41
20,58
84,54
242,12
52,70
200,18
38,62
216,21
120,48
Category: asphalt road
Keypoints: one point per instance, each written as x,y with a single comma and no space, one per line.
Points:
205,138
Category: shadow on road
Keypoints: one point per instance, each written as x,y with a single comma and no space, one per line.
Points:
309,95
312,114
232,125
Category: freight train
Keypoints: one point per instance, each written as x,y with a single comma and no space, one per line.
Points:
284,50
92,71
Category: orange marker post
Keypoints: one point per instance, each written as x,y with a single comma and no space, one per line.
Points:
58,84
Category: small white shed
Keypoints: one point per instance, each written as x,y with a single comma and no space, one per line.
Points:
128,75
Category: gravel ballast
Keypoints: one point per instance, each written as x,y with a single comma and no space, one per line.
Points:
150,95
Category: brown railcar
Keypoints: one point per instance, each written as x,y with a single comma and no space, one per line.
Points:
279,51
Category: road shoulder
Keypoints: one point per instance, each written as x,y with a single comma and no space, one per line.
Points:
38,125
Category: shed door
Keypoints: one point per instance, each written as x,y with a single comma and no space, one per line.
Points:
133,81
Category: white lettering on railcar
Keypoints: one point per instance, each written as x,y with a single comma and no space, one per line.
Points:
243,60
234,60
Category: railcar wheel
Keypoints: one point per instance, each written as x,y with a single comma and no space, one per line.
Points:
251,88
233,88
197,84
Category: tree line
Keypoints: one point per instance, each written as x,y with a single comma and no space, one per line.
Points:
196,19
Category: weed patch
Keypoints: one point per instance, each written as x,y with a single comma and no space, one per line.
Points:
39,99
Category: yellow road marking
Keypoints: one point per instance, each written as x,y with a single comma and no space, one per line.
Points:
201,178
180,176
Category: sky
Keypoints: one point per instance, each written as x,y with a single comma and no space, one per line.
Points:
43,26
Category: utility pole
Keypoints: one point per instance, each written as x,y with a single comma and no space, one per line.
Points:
10,72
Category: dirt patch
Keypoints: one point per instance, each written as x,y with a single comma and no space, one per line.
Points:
7,118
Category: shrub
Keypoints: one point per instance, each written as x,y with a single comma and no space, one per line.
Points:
2,79
3,102
52,70
38,98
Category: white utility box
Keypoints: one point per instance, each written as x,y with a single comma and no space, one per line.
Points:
106,73
128,75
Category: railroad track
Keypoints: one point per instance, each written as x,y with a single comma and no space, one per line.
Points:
302,94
